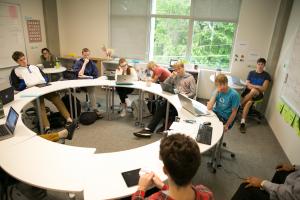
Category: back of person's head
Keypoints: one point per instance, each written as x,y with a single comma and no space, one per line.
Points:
221,79
151,65
261,60
85,50
17,55
45,49
181,157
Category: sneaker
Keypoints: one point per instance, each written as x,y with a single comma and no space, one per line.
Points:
143,133
123,113
243,128
71,128
128,102
99,115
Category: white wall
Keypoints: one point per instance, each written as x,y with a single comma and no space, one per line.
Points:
255,28
286,136
83,24
30,9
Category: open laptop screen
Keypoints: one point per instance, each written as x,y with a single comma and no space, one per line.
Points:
12,119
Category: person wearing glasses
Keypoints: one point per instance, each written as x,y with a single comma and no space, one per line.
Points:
47,56
125,69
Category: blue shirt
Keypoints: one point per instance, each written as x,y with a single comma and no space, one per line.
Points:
90,68
258,78
225,102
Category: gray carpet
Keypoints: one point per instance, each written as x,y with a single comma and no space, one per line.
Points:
257,152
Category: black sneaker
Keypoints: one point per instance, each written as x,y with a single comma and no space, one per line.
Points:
243,128
143,133
71,128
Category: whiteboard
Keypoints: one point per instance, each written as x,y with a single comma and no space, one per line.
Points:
291,87
11,33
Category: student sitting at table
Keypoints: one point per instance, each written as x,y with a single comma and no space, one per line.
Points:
125,69
159,73
181,157
224,102
185,84
25,76
256,84
85,68
47,57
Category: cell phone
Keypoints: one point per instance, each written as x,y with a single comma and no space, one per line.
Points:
191,121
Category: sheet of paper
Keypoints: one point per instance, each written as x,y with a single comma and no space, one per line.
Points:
288,115
279,106
296,125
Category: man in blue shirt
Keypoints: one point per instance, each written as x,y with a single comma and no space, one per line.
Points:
256,84
86,68
224,102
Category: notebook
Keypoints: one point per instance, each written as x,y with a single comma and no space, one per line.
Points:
187,104
7,129
131,177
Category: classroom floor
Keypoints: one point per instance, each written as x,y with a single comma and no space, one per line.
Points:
257,151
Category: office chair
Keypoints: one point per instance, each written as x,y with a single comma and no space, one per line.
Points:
218,152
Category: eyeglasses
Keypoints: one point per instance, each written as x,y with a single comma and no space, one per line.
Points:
125,65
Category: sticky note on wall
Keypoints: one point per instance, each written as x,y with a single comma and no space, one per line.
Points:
279,106
296,125
288,115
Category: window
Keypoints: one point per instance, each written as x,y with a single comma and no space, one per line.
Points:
197,31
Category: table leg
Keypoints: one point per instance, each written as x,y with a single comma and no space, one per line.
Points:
75,107
38,110
167,115
70,102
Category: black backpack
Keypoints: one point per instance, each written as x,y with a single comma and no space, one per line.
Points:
87,118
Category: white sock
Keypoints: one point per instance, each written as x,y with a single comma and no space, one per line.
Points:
63,133
243,121
147,129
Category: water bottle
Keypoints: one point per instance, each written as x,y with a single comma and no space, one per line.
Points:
57,63
148,78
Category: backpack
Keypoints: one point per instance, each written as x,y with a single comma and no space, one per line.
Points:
87,118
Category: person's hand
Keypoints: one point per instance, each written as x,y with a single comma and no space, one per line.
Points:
253,182
157,182
145,181
209,105
174,74
86,60
285,167
225,128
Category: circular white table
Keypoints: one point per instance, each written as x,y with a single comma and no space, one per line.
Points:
53,70
231,84
54,166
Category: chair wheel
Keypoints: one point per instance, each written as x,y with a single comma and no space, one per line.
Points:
219,165
224,144
232,155
214,171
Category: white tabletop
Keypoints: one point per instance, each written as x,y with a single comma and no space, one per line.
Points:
230,82
54,70
50,165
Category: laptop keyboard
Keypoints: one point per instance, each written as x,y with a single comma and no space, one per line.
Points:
204,134
3,131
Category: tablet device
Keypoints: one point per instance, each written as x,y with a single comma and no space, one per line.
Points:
131,177
42,85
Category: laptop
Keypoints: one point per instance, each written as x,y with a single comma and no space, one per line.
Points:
48,64
236,81
124,80
195,109
7,95
7,129
167,87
